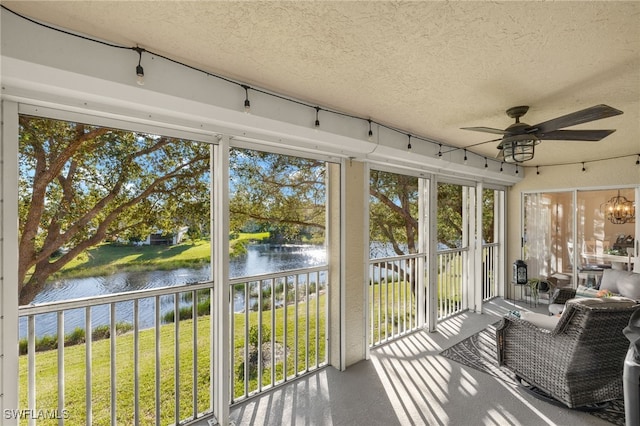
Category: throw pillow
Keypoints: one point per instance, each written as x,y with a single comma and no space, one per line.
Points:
610,278
629,285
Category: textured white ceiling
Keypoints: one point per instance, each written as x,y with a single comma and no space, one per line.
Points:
427,68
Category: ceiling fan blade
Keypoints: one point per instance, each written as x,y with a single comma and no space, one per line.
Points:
575,135
481,143
485,130
596,112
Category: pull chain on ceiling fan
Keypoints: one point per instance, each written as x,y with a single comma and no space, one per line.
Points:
519,139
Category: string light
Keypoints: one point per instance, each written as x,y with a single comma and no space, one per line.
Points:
247,103
139,69
487,165
517,169
140,80
501,163
465,158
440,150
583,168
537,170
409,144
317,120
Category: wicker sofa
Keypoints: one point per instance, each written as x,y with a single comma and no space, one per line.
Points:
577,358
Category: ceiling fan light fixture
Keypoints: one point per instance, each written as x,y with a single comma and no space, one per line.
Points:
518,148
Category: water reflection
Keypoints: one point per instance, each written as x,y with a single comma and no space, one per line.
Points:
260,259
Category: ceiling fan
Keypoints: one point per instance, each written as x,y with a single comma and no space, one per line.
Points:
519,139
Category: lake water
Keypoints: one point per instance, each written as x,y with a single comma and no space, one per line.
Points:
260,259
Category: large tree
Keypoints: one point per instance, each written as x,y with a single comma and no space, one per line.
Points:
81,185
279,193
393,211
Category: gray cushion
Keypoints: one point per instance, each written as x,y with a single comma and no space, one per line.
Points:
611,279
629,285
539,320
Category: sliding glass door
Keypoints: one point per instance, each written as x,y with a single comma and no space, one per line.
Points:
548,236
575,235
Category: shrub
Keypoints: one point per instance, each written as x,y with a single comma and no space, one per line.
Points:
76,337
46,343
104,331
253,335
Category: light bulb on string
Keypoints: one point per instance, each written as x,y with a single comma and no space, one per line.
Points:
440,151
501,163
638,160
317,123
370,132
537,170
409,144
583,168
517,169
486,164
247,103
465,156
139,69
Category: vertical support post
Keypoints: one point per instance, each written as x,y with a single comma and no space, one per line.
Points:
477,280
88,366
112,358
9,377
501,237
61,406
432,258
421,273
31,366
335,255
221,354
136,362
355,261
468,241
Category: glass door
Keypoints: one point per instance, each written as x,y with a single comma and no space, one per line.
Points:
548,236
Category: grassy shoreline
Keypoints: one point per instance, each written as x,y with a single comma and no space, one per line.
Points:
107,259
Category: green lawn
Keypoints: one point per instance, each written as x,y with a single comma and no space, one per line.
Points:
74,375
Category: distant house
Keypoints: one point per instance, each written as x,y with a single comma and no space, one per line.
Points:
159,239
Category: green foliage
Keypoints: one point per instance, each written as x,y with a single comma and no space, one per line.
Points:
88,184
184,313
393,210
76,337
254,338
281,194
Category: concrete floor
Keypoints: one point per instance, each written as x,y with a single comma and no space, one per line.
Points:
407,382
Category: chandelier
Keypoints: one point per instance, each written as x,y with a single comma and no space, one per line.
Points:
619,210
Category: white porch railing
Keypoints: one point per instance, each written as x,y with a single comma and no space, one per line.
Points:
392,289
392,297
279,331
451,266
162,375
159,375
490,265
